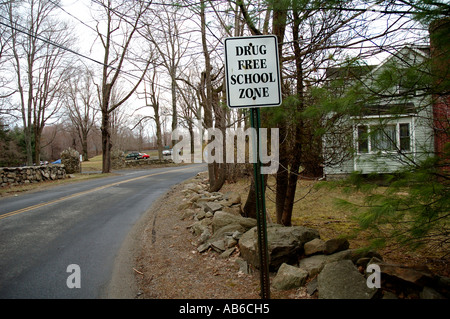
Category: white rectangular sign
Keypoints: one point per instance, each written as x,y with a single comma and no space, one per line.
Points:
252,71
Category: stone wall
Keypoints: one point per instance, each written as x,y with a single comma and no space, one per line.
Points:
142,162
12,176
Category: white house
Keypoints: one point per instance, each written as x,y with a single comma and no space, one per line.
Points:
394,126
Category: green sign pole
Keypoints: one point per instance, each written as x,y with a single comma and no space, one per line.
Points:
260,210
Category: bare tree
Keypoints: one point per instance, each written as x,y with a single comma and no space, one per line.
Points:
191,111
38,43
6,89
121,26
82,106
152,100
166,34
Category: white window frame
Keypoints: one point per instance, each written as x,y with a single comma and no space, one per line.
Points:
397,145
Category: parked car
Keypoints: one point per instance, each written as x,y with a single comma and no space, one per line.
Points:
133,156
144,155
167,152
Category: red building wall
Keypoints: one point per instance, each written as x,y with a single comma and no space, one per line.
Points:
440,54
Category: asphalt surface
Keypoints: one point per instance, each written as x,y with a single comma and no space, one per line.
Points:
65,242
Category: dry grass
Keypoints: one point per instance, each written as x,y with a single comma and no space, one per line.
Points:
95,163
315,207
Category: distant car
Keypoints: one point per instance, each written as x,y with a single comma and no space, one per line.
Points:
133,156
57,161
144,155
167,152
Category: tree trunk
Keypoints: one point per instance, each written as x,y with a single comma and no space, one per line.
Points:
84,145
207,85
250,204
281,177
191,136
174,103
106,143
290,159
159,142
37,147
296,152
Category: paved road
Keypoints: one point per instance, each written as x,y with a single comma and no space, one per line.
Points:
82,224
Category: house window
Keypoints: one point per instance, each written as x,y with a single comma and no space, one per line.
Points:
405,139
384,138
363,139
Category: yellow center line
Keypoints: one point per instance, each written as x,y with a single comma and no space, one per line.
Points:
26,209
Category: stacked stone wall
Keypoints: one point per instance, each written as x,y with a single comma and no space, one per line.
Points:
142,162
13,176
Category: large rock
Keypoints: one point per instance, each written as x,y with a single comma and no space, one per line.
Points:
416,276
336,244
222,219
314,264
199,227
233,209
314,246
342,280
284,244
212,207
228,230
289,277
430,293
232,198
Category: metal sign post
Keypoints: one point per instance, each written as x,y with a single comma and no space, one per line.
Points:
252,79
260,211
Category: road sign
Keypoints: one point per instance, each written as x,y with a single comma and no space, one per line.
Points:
252,71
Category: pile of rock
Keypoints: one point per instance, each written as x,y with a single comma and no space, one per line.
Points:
299,257
284,244
117,159
332,269
70,158
217,217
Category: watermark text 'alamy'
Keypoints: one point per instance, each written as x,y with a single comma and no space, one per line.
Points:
234,144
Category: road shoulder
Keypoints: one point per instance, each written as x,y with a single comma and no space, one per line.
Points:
123,284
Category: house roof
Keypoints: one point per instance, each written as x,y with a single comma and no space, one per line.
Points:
362,72
391,109
350,72
419,50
